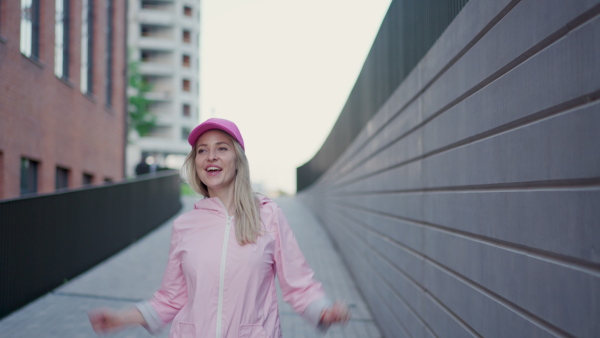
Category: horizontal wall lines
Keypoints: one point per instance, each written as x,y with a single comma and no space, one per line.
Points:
443,70
535,320
359,278
543,44
414,283
548,185
569,262
562,108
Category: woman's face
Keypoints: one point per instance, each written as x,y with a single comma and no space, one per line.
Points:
215,161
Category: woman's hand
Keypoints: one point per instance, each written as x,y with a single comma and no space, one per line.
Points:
106,320
338,313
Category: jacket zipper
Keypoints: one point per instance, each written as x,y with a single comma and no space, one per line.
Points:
222,275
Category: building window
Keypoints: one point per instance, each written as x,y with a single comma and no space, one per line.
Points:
187,11
186,85
29,176
87,52
62,178
109,50
186,61
185,132
61,38
186,110
187,36
88,179
30,28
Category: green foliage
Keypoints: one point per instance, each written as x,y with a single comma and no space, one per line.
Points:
187,191
140,118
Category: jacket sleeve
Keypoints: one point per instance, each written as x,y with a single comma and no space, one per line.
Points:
160,310
296,278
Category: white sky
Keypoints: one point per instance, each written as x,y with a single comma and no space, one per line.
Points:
282,71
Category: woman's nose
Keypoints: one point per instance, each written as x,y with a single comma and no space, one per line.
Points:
212,155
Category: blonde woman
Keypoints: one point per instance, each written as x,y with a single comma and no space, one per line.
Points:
225,254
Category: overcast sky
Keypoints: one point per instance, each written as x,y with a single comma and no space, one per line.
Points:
282,71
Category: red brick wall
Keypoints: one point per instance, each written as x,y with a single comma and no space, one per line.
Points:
50,120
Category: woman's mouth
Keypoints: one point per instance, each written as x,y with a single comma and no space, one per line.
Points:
213,170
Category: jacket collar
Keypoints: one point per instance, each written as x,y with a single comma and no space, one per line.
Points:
214,204
211,204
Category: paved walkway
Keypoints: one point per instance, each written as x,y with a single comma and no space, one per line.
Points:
136,272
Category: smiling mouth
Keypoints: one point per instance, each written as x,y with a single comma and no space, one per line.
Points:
213,169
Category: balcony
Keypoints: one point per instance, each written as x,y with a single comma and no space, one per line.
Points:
156,43
161,96
156,17
154,68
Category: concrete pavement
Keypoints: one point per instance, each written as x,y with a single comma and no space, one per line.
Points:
136,272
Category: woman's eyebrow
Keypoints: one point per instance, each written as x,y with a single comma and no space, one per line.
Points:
206,145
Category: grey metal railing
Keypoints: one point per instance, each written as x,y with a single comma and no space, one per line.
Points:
47,239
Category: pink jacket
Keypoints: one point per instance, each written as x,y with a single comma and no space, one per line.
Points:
213,287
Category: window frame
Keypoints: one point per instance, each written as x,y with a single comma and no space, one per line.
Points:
62,42
29,32
87,43
109,52
62,178
29,176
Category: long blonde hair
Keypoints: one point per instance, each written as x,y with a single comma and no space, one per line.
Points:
248,226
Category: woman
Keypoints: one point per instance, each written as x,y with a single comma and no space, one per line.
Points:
225,254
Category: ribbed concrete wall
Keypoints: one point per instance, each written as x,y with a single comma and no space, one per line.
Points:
470,204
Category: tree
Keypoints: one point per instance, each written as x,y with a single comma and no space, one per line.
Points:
140,118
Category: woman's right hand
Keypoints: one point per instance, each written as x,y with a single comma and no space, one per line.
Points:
338,313
106,320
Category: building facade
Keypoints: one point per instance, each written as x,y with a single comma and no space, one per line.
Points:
163,37
62,94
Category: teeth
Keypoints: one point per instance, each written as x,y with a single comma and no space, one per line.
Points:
212,169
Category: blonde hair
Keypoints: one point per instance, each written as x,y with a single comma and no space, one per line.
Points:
248,226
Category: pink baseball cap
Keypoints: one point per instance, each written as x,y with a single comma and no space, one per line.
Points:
218,124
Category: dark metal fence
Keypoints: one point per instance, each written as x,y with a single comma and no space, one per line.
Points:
47,239
408,31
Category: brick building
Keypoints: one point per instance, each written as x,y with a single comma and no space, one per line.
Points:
62,94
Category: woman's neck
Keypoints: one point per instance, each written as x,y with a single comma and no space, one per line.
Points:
226,197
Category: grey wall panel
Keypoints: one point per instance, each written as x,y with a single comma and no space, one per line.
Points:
405,150
453,252
525,218
487,109
405,177
485,315
408,283
499,51
408,120
568,69
553,149
407,234
560,280
468,27
468,205
405,311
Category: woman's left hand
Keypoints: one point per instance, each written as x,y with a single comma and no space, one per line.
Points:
338,313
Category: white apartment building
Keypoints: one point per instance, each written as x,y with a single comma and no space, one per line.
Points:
164,36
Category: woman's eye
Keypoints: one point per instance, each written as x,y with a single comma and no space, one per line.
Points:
200,151
223,148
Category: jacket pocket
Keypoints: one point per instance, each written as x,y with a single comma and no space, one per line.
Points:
252,331
186,330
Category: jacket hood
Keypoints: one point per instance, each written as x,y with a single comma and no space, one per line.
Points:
211,204
214,204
